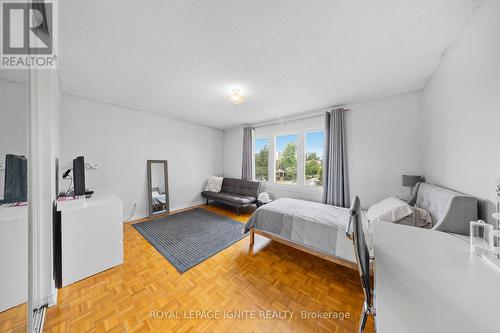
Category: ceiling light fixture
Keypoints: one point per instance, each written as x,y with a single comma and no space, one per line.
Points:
236,97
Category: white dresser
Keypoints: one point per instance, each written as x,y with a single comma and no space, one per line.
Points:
428,281
91,236
13,256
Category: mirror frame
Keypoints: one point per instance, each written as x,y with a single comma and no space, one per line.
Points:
150,197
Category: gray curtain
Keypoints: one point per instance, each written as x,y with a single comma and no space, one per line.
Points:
335,181
247,165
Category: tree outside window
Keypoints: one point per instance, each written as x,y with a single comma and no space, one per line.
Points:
314,158
286,159
262,159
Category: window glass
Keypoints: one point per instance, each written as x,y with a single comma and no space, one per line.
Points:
314,158
262,159
286,159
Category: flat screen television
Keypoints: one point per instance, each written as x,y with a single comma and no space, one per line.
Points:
79,176
16,179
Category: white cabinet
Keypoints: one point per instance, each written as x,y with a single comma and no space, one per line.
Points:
13,256
91,236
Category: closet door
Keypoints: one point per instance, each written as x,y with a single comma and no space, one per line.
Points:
14,187
29,155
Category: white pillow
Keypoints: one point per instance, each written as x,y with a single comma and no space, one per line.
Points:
389,210
264,197
214,184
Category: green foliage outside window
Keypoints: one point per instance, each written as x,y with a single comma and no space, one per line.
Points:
286,165
262,164
314,169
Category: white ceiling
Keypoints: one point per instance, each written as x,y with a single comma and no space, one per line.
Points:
182,58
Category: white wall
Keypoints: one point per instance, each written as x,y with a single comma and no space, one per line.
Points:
461,111
383,143
383,138
122,140
233,152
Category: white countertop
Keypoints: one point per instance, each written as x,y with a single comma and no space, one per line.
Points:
428,281
99,198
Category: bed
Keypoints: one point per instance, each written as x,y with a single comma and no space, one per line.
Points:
308,226
321,229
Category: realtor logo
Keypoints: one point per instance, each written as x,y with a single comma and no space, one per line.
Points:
29,34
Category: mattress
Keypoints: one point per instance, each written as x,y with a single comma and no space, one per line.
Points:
316,226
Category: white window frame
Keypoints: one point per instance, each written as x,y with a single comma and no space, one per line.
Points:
301,159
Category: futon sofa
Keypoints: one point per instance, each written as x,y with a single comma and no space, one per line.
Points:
236,193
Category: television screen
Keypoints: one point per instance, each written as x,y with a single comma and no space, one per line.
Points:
16,179
79,175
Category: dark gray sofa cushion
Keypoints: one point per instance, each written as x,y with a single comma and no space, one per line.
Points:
241,187
230,197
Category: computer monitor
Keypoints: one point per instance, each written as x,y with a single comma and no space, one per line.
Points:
16,179
79,176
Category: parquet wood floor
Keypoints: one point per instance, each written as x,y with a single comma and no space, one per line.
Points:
130,297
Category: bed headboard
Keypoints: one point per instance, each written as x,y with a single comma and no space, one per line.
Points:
450,211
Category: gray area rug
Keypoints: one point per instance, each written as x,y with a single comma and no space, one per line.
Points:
189,238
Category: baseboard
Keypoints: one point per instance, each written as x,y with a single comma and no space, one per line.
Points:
173,210
187,205
136,217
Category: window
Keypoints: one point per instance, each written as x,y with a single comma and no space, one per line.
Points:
314,158
292,159
286,159
262,159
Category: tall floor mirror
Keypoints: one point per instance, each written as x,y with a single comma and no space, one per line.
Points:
158,197
14,238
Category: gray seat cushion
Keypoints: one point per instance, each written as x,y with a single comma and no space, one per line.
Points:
229,197
245,188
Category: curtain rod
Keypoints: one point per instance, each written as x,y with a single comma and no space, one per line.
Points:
318,114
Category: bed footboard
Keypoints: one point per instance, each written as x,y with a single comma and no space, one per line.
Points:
331,258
